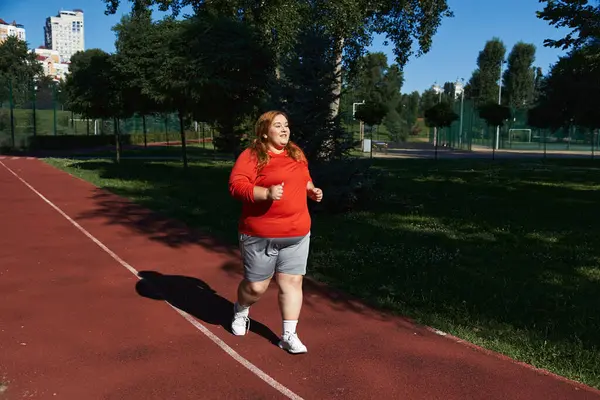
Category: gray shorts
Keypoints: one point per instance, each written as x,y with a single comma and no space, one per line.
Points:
263,256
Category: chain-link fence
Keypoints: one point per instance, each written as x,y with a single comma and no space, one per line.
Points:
470,132
32,110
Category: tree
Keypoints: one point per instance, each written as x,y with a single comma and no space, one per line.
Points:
483,85
93,88
173,81
136,62
305,92
350,24
569,91
439,116
537,83
376,82
449,92
18,70
372,113
494,114
428,100
580,16
519,77
228,71
408,109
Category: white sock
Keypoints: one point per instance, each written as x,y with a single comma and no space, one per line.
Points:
289,326
238,308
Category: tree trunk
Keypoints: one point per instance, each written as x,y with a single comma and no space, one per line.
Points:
183,144
335,105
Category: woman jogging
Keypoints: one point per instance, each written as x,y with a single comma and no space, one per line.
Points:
272,180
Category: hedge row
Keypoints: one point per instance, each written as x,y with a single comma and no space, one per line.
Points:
73,142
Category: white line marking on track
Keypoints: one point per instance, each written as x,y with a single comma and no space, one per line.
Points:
253,368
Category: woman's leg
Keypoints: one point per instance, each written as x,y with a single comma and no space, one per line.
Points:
259,266
250,292
290,296
291,267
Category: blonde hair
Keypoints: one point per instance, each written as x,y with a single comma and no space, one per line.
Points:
259,145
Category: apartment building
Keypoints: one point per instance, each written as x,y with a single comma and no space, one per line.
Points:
11,29
50,61
65,34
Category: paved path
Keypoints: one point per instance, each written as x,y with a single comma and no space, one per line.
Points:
77,323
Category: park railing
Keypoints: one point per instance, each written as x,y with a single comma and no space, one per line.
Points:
31,111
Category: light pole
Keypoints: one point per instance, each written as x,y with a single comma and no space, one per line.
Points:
459,89
502,62
35,88
361,128
438,90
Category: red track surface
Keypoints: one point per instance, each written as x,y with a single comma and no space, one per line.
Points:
76,324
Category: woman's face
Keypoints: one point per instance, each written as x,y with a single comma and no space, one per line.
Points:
279,132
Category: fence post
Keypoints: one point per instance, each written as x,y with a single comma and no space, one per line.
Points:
12,115
54,105
34,110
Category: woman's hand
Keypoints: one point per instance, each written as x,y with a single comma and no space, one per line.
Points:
315,194
275,192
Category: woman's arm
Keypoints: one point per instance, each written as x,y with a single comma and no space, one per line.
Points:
242,178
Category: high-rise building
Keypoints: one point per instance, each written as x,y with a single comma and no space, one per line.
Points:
12,29
64,33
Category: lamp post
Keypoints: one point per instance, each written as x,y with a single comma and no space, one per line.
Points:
502,62
459,90
54,99
361,129
35,88
438,90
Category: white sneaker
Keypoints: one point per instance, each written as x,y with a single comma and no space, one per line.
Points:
240,324
292,343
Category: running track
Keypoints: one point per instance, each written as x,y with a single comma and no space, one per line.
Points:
76,323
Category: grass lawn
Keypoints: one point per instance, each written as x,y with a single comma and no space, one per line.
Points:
505,254
194,150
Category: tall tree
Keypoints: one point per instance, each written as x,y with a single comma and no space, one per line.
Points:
379,86
18,70
569,90
519,77
172,84
409,108
136,61
228,71
581,16
429,98
483,85
306,91
351,24
537,83
94,89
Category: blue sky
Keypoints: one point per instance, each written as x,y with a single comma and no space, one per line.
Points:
453,53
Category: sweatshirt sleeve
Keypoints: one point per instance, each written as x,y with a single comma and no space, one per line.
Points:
242,178
307,173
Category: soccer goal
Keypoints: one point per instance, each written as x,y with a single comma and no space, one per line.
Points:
519,135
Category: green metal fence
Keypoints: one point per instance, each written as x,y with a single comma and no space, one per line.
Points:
29,110
515,135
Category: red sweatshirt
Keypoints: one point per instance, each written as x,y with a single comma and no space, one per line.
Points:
287,217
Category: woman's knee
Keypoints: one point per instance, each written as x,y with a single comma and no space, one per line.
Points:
288,282
256,288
